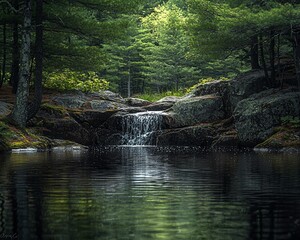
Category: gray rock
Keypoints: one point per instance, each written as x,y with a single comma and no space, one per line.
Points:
70,100
107,95
92,118
202,135
159,106
218,87
195,110
5,108
172,99
136,102
104,105
256,117
245,85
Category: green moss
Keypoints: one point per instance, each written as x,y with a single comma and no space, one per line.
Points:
54,108
13,138
152,97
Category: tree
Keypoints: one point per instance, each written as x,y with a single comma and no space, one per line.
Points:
166,54
19,114
222,29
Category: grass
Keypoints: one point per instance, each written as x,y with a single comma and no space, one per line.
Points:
153,97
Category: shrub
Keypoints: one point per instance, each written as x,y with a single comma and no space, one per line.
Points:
70,80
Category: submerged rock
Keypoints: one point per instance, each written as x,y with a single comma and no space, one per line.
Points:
256,117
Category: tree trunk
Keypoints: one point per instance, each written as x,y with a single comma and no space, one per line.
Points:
254,53
4,56
272,59
296,43
129,83
38,84
15,69
20,111
263,60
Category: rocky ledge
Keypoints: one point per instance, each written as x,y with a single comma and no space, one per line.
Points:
239,113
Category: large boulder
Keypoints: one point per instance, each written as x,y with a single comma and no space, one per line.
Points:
256,117
70,100
195,110
92,118
245,85
67,129
57,122
201,135
218,87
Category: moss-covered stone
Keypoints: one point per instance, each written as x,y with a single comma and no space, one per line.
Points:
284,138
13,138
256,117
196,110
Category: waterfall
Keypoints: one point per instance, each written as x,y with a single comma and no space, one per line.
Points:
140,128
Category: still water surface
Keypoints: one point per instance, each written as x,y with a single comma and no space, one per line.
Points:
145,193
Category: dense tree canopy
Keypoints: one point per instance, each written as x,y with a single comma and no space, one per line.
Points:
141,46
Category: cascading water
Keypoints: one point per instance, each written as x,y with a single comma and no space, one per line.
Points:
140,128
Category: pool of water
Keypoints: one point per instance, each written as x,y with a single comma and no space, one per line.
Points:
149,193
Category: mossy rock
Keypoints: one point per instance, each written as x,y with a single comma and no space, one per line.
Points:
13,138
284,138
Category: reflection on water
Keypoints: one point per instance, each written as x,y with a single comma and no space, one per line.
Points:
140,193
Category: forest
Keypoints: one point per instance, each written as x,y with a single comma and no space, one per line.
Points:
137,47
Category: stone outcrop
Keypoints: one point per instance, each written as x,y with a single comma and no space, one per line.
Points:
190,111
256,117
202,135
245,85
235,113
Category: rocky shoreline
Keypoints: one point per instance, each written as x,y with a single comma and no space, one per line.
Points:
237,113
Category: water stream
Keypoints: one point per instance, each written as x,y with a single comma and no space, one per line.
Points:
140,128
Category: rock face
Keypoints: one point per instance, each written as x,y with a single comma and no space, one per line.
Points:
202,135
219,87
195,110
70,101
217,114
245,85
256,117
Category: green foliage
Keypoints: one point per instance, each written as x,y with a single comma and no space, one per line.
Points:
291,121
70,80
152,97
